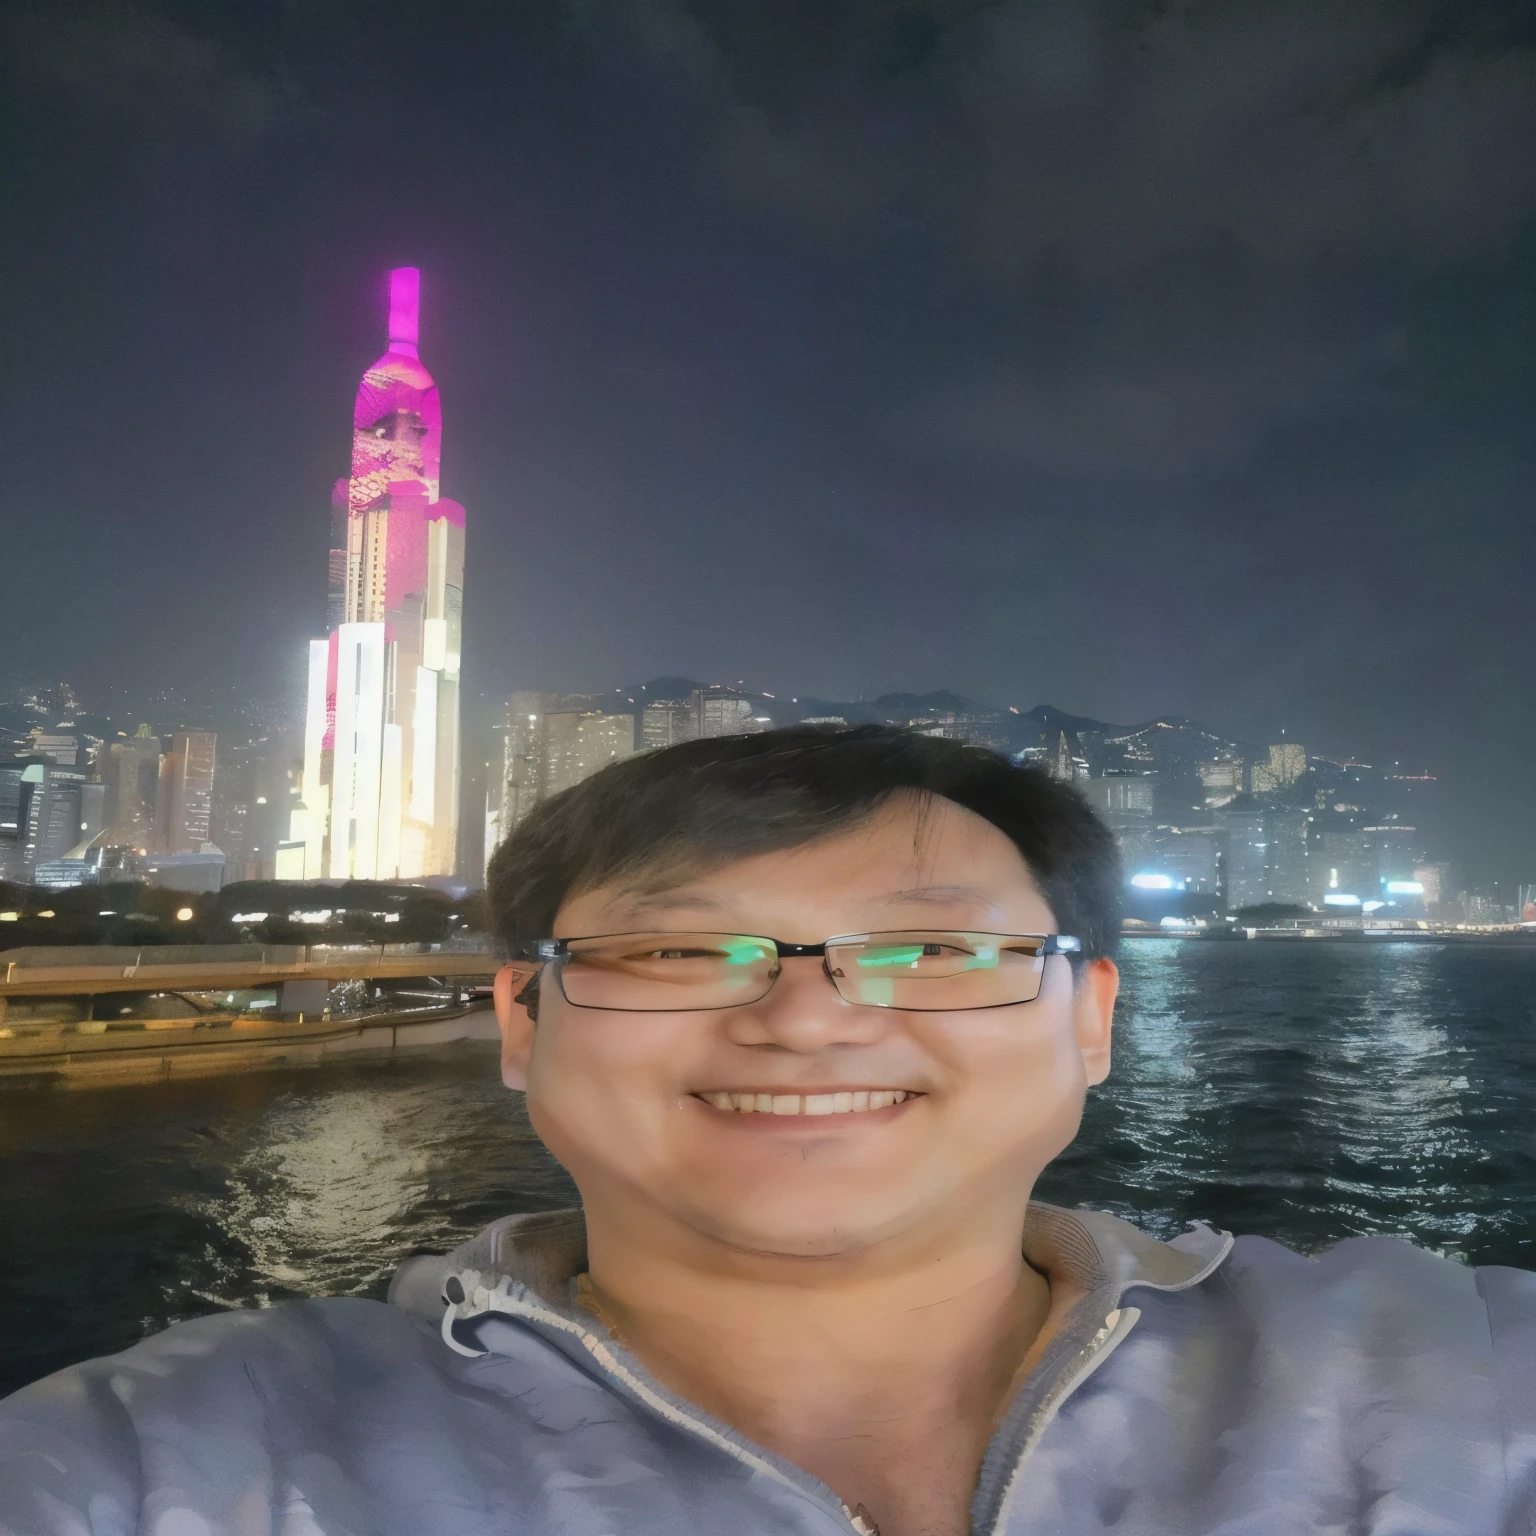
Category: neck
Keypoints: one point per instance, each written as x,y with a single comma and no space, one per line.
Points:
894,1341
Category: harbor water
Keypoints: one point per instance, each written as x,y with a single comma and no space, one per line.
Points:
1307,1092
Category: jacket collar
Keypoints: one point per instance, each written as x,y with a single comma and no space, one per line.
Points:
543,1252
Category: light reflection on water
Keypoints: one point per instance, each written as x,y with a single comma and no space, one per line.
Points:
1306,1092
1311,1092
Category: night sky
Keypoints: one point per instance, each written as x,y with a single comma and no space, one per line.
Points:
1132,356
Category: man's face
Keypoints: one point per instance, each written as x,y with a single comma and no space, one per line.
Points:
622,1099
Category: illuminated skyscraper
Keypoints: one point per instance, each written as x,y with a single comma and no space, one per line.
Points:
184,802
380,792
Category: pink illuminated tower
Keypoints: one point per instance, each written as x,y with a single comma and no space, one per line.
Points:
381,751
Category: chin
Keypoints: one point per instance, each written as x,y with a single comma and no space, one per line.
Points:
809,1224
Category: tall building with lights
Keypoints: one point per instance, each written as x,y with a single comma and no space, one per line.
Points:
380,792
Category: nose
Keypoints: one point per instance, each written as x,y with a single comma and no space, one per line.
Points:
803,1012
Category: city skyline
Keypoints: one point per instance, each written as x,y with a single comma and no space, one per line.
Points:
1199,813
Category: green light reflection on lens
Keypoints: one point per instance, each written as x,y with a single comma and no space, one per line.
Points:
891,956
744,951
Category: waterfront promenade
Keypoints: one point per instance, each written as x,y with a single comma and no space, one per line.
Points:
76,1017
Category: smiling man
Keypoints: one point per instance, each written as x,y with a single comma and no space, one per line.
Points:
805,1015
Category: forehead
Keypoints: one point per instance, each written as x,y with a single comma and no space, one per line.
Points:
913,861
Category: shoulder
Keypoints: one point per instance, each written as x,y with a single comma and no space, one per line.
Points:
209,1406
1391,1337
1302,1379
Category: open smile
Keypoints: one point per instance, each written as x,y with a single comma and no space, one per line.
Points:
857,1102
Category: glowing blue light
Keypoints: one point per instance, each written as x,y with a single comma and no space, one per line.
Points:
1338,899
1150,882
1404,888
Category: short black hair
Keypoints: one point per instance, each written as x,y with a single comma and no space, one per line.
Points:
701,804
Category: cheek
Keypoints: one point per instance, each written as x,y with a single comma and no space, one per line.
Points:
1022,1082
600,1086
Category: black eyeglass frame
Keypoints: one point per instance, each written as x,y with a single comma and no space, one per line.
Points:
553,951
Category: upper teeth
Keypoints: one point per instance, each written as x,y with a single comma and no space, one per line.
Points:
808,1103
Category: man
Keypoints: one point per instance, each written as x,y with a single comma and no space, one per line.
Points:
805,1015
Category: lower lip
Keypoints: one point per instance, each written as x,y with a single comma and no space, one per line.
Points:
755,1120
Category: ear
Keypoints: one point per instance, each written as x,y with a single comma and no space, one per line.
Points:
1093,1011
516,1024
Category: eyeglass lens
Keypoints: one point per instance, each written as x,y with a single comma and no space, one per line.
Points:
920,970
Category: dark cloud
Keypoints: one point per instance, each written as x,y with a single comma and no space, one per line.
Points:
131,65
1101,135
1192,219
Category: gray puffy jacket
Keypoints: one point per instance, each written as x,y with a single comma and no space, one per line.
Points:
1202,1386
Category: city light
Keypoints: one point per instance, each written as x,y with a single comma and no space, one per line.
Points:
185,914
1151,882
1405,888
1339,899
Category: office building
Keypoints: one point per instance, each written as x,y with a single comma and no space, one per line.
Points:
1222,780
665,722
722,712
47,812
184,803
63,750
1130,794
1286,831
1265,856
1187,855
1124,802
522,776
380,788
1245,867
549,743
250,802
1287,762
579,742
131,777
1286,765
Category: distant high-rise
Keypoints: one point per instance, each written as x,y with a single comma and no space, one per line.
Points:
665,722
550,743
1246,868
47,812
1267,858
131,771
1221,779
1287,761
380,793
579,742
184,804
722,712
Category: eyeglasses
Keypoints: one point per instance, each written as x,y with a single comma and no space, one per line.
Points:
925,971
